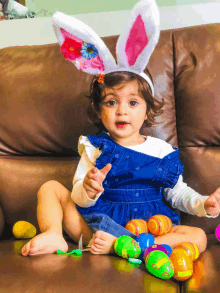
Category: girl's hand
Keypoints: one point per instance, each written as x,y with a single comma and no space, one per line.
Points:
93,180
212,204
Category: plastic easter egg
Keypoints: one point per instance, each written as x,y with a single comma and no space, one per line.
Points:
153,248
23,229
159,264
144,240
168,248
159,225
217,232
137,226
183,264
191,248
127,247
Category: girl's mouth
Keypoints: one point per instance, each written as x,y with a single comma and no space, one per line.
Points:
121,124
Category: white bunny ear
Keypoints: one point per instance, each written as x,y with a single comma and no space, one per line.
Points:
82,46
136,44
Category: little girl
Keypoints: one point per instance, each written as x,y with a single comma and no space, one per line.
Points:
121,175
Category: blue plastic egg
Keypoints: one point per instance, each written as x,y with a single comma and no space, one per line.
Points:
168,249
144,240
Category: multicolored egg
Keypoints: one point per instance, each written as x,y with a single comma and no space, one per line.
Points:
144,240
168,248
159,225
137,226
159,264
153,248
191,248
183,264
126,247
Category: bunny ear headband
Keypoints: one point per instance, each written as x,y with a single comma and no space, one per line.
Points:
82,46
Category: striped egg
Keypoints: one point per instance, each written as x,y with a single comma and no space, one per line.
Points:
159,225
126,247
159,264
137,226
152,248
183,264
191,248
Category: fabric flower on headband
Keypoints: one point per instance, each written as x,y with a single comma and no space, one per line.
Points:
82,46
71,49
84,55
89,51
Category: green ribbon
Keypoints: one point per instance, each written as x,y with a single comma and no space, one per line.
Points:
74,251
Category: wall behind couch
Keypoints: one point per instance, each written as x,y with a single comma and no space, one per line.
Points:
37,31
94,6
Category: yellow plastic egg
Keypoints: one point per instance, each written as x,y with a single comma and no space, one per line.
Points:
23,229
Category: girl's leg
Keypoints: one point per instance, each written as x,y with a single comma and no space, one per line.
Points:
56,209
182,233
103,242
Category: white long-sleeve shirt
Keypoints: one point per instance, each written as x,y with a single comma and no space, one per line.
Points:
181,196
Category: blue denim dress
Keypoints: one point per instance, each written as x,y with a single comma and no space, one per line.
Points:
133,187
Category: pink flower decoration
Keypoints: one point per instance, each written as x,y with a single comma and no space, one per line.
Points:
97,63
71,49
94,63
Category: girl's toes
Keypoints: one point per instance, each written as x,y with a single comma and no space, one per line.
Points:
25,249
95,250
98,241
100,235
98,246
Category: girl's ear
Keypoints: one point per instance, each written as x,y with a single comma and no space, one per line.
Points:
97,113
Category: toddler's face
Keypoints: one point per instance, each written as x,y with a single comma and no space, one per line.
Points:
123,112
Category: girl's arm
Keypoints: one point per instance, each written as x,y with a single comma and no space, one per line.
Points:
78,194
186,199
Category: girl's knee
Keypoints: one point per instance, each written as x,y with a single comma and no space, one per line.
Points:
53,188
47,186
200,239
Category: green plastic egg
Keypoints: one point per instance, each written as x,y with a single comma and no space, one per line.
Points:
127,247
159,264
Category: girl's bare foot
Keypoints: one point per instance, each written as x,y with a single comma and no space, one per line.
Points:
102,243
46,242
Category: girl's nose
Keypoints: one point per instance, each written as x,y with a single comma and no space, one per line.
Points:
122,109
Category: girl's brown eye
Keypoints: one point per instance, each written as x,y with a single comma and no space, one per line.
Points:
110,103
133,103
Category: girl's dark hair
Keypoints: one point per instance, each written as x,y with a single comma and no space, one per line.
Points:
115,78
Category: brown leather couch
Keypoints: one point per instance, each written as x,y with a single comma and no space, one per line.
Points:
42,114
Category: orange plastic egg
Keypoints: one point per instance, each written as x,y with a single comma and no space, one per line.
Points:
191,248
159,225
137,226
183,264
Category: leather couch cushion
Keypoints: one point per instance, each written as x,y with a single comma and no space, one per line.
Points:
63,273
21,177
197,93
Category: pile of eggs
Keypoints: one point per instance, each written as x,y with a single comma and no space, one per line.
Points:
160,260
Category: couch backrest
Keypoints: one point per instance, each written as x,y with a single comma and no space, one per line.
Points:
197,98
43,112
44,100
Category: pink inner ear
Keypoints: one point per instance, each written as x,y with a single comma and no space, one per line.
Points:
70,36
137,40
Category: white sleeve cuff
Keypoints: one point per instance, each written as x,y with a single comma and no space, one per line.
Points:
187,199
